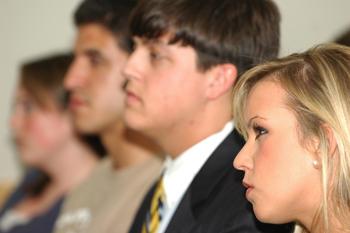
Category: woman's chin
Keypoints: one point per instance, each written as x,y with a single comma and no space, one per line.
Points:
268,216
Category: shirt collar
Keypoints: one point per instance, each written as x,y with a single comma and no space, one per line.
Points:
179,172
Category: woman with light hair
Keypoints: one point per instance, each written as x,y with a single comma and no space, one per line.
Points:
294,113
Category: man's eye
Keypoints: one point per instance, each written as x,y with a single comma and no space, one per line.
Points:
95,60
259,131
155,55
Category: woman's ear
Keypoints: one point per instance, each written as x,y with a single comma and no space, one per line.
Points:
220,80
331,146
331,141
314,147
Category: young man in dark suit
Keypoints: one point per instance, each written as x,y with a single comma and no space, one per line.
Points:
187,56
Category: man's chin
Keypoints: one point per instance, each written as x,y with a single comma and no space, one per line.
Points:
139,126
131,122
85,127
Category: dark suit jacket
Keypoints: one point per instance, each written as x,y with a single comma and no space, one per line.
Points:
215,201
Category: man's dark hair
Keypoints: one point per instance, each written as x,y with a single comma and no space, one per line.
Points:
344,38
112,14
242,32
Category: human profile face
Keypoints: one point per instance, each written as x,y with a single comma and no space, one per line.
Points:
95,80
282,183
38,133
165,89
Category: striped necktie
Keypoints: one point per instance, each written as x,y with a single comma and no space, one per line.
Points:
155,214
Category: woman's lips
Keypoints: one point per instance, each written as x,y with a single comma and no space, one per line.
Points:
249,188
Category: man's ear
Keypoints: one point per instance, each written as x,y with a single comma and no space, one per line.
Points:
220,80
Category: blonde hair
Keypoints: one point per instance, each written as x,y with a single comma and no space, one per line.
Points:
317,83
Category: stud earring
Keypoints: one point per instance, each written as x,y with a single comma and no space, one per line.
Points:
316,164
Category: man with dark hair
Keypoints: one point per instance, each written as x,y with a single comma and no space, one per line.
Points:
187,56
109,199
343,38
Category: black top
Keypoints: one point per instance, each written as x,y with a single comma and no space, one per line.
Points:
215,200
43,223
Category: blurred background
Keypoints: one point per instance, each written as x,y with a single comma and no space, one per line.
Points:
38,27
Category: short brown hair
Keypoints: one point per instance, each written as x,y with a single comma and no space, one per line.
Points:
43,78
241,32
111,14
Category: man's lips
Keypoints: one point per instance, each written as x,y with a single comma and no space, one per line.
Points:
76,102
132,97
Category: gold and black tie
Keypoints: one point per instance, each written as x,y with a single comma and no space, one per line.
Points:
155,214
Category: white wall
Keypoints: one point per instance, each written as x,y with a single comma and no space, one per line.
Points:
33,27
309,22
27,29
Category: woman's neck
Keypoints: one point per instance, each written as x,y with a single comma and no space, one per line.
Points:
71,165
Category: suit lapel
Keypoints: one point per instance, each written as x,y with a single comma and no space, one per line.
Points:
141,213
183,219
217,166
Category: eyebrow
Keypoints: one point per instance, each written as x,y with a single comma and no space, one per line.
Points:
93,52
249,124
151,42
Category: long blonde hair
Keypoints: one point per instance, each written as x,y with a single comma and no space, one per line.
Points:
317,83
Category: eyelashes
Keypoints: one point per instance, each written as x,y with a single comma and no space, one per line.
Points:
259,131
155,56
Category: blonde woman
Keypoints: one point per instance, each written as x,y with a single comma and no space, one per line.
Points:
294,113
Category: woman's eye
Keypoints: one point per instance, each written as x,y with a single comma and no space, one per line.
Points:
259,131
28,107
24,106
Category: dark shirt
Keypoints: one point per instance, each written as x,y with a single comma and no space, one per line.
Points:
43,223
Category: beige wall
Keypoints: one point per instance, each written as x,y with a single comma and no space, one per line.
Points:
28,28
32,28
308,22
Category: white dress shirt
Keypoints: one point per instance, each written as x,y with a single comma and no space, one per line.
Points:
179,172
